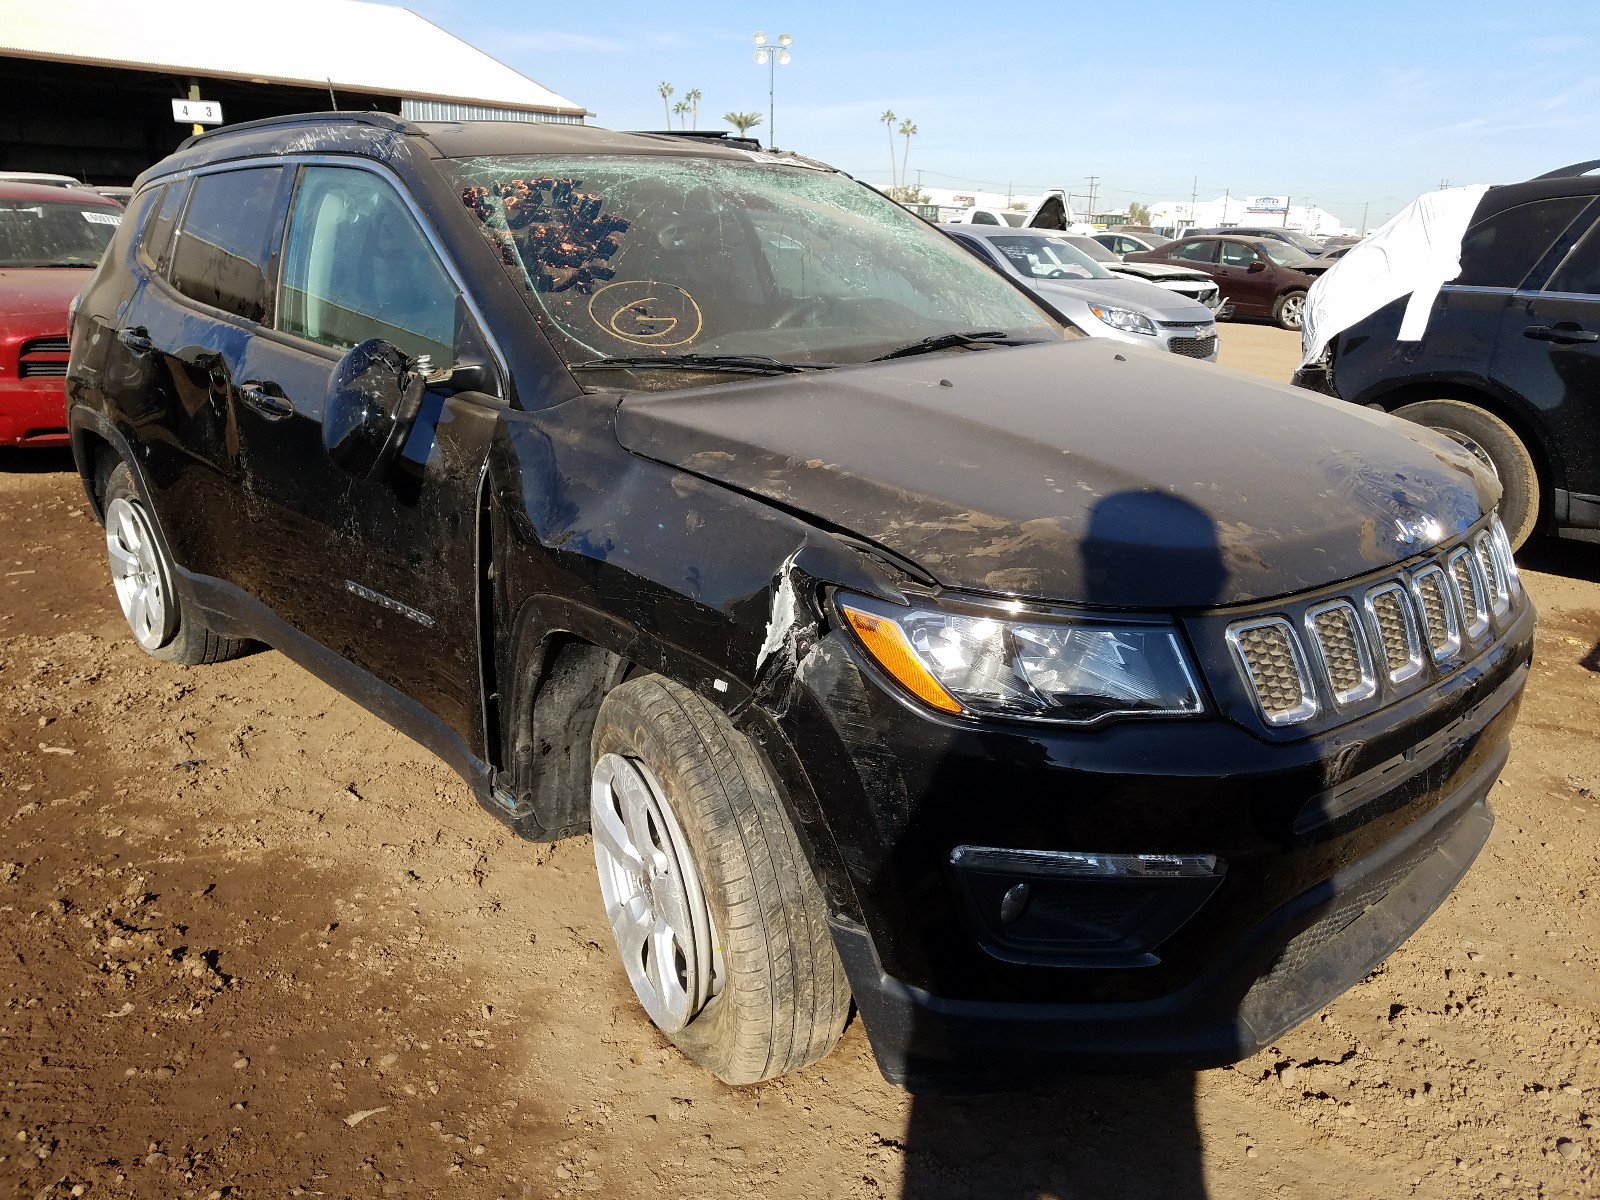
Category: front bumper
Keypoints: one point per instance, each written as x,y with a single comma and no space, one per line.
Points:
33,412
1304,911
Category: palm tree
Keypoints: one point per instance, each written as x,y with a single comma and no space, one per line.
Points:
666,89
888,123
743,122
908,131
693,97
681,108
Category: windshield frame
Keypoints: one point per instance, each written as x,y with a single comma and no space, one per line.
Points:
863,213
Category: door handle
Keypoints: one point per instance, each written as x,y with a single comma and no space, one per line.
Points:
136,339
264,402
1564,334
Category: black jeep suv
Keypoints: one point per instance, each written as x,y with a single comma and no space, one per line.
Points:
1510,364
1061,704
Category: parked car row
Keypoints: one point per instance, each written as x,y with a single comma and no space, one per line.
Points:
900,647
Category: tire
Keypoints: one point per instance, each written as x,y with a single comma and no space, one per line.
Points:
161,621
759,988
1496,444
1286,312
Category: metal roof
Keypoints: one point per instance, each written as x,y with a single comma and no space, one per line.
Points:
371,48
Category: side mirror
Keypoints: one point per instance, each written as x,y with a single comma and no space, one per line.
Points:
1256,267
374,395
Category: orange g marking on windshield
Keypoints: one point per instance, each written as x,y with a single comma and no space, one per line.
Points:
643,312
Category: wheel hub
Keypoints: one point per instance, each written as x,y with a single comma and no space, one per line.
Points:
651,889
137,575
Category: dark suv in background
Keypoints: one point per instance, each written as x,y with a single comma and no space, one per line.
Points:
1510,364
1062,706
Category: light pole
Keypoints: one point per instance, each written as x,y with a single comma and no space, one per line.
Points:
772,57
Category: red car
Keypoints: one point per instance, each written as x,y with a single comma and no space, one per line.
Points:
1257,277
51,239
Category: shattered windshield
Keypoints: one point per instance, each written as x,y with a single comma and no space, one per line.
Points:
629,257
47,233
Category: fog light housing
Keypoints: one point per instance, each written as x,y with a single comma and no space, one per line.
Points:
1078,909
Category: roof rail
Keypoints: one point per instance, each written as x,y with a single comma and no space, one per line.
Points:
378,120
1582,168
704,135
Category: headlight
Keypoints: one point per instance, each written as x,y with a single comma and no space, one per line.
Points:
1121,318
1035,668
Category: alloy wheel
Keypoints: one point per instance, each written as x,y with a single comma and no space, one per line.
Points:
1291,310
138,574
653,898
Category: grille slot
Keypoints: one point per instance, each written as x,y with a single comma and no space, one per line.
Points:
43,358
1269,653
1470,592
1432,592
1494,575
1394,623
1346,663
1200,347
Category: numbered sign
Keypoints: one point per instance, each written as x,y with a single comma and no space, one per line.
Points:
197,112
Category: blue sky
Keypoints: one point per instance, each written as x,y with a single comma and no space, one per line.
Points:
1341,103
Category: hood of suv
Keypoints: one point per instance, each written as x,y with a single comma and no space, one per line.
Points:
29,294
1083,472
1157,303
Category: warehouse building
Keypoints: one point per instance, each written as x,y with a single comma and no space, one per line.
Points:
86,86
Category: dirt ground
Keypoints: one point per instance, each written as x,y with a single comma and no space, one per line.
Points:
253,944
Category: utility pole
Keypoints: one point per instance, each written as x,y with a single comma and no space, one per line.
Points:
1194,194
1443,183
1094,187
1227,195
1364,218
919,179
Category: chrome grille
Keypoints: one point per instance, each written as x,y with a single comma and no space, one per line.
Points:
1432,591
1470,589
1336,632
1269,653
1494,576
1394,622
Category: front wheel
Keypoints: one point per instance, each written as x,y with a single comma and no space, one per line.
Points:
721,927
1290,308
1496,445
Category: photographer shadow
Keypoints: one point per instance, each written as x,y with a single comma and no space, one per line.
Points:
1095,1135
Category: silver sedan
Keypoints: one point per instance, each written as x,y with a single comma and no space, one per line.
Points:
1098,302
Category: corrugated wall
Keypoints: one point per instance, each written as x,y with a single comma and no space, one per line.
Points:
437,110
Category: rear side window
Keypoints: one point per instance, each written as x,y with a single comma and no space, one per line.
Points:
1195,252
221,253
1501,250
155,240
982,218
1580,274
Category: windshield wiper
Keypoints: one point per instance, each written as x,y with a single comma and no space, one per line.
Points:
944,341
748,364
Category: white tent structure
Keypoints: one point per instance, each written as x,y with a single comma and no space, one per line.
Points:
350,45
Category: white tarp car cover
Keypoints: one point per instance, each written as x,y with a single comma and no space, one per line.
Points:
1416,251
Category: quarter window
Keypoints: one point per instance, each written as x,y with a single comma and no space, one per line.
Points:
1501,250
1580,274
356,265
983,218
155,239
221,253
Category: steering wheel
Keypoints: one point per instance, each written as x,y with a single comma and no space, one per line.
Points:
793,312
1054,273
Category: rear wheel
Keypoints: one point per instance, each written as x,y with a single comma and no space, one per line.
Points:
721,928
1289,309
1497,446
159,619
